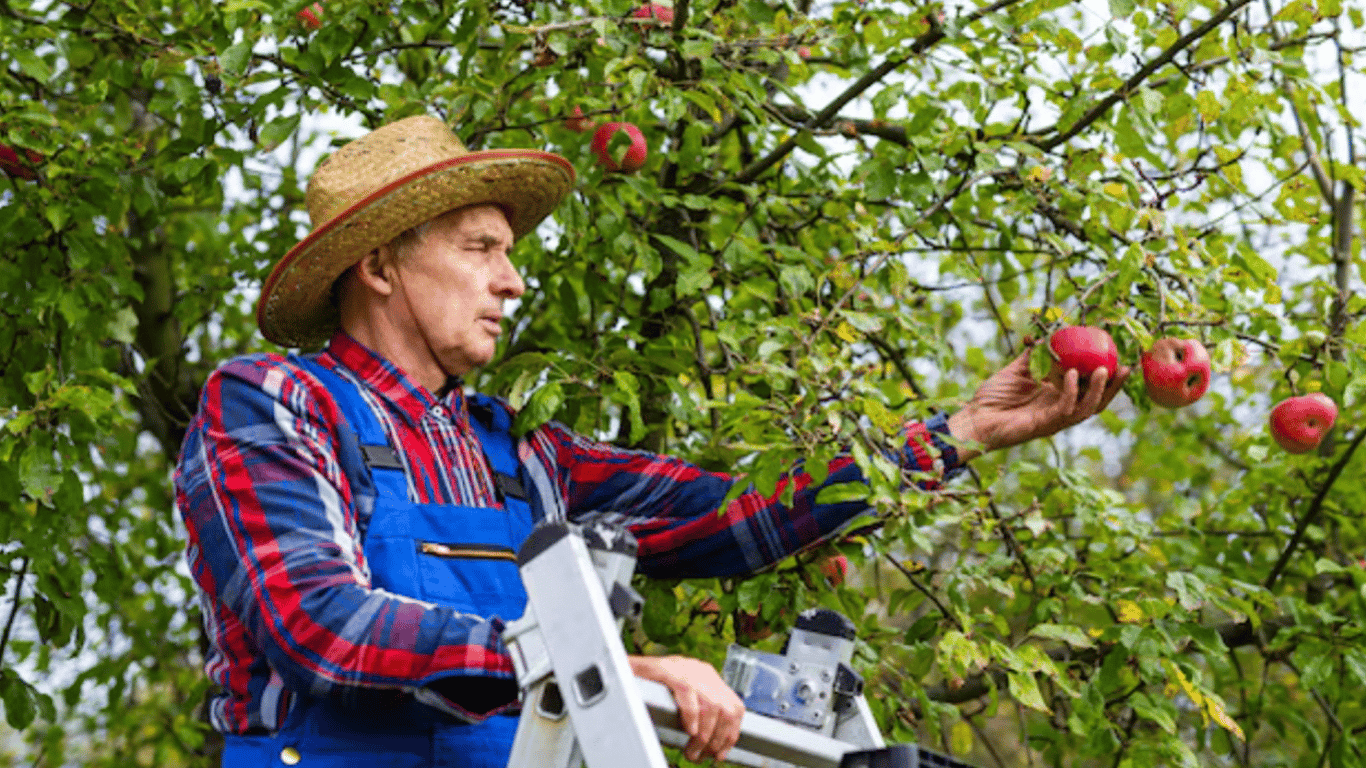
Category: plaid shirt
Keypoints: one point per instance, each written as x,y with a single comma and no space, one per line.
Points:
276,553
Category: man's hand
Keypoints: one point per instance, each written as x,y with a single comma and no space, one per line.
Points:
1013,407
710,711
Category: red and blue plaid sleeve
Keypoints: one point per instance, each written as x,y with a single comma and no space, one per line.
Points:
671,505
275,548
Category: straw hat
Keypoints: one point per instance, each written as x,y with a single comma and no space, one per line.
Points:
390,180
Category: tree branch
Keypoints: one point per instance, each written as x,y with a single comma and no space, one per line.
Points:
14,611
1124,91
1234,635
1311,514
918,46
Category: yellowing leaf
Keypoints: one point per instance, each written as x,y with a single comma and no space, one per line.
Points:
1215,709
960,738
1129,612
1208,103
1025,689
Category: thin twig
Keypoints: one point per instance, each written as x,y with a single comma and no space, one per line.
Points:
14,611
1123,91
925,591
1312,514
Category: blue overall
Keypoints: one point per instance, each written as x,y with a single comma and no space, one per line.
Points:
462,557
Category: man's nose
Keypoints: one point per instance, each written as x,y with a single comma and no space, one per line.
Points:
507,281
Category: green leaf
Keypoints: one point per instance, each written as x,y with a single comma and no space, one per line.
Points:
1074,636
540,408
628,388
17,696
278,130
39,474
30,63
234,60
840,493
1025,689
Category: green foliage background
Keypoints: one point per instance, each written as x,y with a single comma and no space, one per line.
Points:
852,213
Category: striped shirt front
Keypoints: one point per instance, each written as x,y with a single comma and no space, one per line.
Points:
275,542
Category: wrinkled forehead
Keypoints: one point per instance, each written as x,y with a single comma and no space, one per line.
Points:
480,218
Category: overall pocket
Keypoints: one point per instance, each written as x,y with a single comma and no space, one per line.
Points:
461,557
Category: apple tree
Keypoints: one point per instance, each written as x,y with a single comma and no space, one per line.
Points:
849,214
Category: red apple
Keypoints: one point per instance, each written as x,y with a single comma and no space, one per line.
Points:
1085,349
634,157
577,122
1176,372
1299,423
312,16
661,13
835,568
11,164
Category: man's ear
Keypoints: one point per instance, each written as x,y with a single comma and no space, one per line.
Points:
376,272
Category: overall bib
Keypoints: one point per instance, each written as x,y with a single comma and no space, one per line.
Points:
462,557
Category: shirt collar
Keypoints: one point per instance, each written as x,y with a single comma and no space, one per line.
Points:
392,384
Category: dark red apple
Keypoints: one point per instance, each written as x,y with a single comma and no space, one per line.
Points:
835,569
625,162
1176,372
11,164
312,16
1299,423
661,13
577,122
1084,348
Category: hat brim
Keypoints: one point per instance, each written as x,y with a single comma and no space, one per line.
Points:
296,308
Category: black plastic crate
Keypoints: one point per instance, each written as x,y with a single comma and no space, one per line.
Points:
900,756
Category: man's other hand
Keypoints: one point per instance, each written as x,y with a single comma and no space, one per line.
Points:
1013,407
709,710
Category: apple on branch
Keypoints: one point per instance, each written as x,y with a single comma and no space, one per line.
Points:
312,16
577,121
12,165
1084,348
662,14
835,569
1299,423
1176,372
611,156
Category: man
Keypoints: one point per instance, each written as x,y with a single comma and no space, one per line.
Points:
353,514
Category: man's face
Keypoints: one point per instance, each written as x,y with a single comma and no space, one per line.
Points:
455,280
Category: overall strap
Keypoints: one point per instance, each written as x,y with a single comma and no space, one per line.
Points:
493,426
385,473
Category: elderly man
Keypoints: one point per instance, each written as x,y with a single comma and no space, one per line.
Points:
353,514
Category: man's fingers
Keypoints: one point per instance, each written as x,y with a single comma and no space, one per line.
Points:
730,714
1095,390
689,712
1115,386
705,734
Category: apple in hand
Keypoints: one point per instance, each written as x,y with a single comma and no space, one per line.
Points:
631,160
1299,423
1176,372
1084,348
312,16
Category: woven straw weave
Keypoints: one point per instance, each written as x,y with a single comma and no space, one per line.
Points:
390,180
